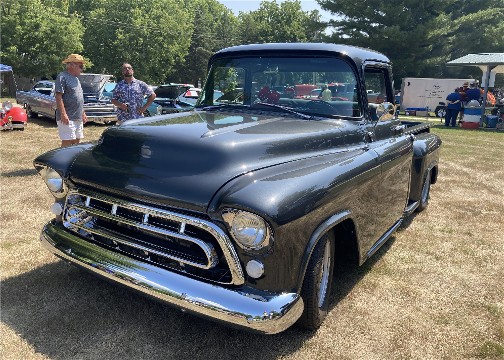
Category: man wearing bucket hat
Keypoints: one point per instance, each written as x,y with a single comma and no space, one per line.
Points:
70,115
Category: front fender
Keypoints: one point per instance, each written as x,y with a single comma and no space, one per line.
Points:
425,157
61,159
295,198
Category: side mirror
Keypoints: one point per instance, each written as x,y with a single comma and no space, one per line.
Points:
385,111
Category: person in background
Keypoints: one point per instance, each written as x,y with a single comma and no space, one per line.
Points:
473,93
70,115
325,94
452,108
128,96
490,96
463,98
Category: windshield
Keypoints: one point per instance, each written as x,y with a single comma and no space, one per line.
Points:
323,86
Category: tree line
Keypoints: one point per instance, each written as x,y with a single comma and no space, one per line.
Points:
172,40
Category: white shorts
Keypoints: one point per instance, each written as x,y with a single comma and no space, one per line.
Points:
74,130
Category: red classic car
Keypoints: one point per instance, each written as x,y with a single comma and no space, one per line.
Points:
12,117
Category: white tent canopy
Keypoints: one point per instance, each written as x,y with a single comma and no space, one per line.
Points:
489,63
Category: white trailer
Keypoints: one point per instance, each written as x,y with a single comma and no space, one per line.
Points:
427,93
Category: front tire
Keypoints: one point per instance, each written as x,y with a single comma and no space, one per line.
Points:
29,112
440,112
317,284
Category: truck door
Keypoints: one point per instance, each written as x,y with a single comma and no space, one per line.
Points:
393,148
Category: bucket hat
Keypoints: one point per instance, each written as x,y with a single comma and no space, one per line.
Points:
73,58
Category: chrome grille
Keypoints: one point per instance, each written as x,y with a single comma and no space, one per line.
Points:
161,237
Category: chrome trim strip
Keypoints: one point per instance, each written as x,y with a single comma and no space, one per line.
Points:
410,208
384,238
208,250
267,313
224,242
211,257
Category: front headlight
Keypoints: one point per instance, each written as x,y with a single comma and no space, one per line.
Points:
250,231
7,105
54,182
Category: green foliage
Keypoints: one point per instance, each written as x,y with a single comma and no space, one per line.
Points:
35,38
420,36
151,35
172,40
214,28
284,22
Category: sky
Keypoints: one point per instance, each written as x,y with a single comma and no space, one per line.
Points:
250,5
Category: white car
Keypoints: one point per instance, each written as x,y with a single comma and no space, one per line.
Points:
190,96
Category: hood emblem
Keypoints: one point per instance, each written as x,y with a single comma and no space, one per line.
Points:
145,152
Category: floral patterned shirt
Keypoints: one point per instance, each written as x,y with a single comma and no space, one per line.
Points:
132,94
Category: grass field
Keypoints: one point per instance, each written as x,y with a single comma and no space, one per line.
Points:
434,291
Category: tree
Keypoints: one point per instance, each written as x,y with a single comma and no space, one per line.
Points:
284,22
214,28
152,35
419,36
36,38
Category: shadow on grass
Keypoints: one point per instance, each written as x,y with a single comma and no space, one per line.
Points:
66,313
46,122
458,128
19,173
42,121
347,274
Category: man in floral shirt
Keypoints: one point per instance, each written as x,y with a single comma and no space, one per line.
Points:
129,94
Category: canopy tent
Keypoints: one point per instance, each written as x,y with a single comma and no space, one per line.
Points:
5,68
8,85
489,63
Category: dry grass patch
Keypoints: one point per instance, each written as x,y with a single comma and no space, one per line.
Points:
435,291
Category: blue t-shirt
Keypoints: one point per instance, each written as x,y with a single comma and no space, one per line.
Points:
73,98
473,94
454,96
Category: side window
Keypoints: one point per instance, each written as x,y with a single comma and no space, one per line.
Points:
43,88
230,82
376,85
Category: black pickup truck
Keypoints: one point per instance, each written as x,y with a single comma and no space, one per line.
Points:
236,210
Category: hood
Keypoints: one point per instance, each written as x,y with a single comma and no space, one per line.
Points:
93,84
182,160
169,91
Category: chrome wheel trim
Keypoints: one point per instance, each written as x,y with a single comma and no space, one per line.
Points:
425,189
325,270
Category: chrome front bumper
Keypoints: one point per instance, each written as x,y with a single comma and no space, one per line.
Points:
266,313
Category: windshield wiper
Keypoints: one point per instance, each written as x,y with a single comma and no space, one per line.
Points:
223,106
286,109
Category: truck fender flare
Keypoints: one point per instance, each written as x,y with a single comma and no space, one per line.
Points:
61,159
320,231
425,158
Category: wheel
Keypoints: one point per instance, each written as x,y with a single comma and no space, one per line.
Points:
424,198
317,284
146,113
440,112
29,112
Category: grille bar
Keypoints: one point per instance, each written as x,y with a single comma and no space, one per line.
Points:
207,248
89,213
